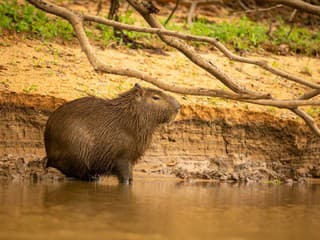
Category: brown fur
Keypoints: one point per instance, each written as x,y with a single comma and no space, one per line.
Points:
89,137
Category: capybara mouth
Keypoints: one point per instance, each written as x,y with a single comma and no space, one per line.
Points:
173,117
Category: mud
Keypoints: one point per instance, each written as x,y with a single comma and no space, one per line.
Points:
17,168
204,142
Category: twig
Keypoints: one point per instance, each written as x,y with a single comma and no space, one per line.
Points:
191,12
298,4
172,12
310,94
99,7
243,5
259,9
195,4
293,14
308,120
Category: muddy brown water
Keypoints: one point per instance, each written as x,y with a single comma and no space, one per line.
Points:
159,209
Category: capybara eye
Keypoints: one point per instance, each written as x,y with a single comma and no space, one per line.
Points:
155,97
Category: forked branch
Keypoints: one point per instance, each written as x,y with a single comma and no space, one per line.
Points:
240,93
263,64
76,21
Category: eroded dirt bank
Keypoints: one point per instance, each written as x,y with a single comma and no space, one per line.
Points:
204,142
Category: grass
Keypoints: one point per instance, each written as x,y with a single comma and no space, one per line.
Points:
313,111
28,19
300,40
271,109
245,35
275,182
32,88
241,34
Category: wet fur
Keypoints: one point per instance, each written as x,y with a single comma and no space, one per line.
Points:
89,137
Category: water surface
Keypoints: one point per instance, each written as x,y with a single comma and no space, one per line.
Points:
158,209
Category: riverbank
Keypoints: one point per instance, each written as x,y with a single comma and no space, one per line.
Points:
222,144
212,138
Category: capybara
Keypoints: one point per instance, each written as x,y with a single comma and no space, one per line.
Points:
90,137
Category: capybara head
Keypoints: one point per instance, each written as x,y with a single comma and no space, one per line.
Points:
153,105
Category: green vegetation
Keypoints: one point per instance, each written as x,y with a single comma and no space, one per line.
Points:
313,111
27,19
214,100
275,182
245,34
300,40
241,34
306,69
271,109
106,33
30,89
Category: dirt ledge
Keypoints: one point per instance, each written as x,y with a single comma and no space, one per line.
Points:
204,143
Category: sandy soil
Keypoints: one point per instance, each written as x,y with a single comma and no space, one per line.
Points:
62,70
34,66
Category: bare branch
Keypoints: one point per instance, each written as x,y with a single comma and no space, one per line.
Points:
190,53
99,7
241,94
298,4
248,10
243,5
310,94
191,12
293,14
284,103
210,40
172,12
195,4
77,23
308,120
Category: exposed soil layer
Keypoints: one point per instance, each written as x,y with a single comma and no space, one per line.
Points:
204,142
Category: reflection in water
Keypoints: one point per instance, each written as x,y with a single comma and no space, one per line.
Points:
158,210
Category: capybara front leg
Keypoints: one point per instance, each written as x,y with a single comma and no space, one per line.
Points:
124,171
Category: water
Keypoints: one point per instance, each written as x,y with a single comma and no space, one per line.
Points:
159,209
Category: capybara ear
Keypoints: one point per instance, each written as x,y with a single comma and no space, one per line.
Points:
138,90
137,85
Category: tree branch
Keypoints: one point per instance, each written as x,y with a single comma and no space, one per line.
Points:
76,21
261,63
308,120
248,10
172,12
192,9
298,4
241,94
309,94
190,53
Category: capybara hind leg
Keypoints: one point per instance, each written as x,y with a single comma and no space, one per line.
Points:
124,171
